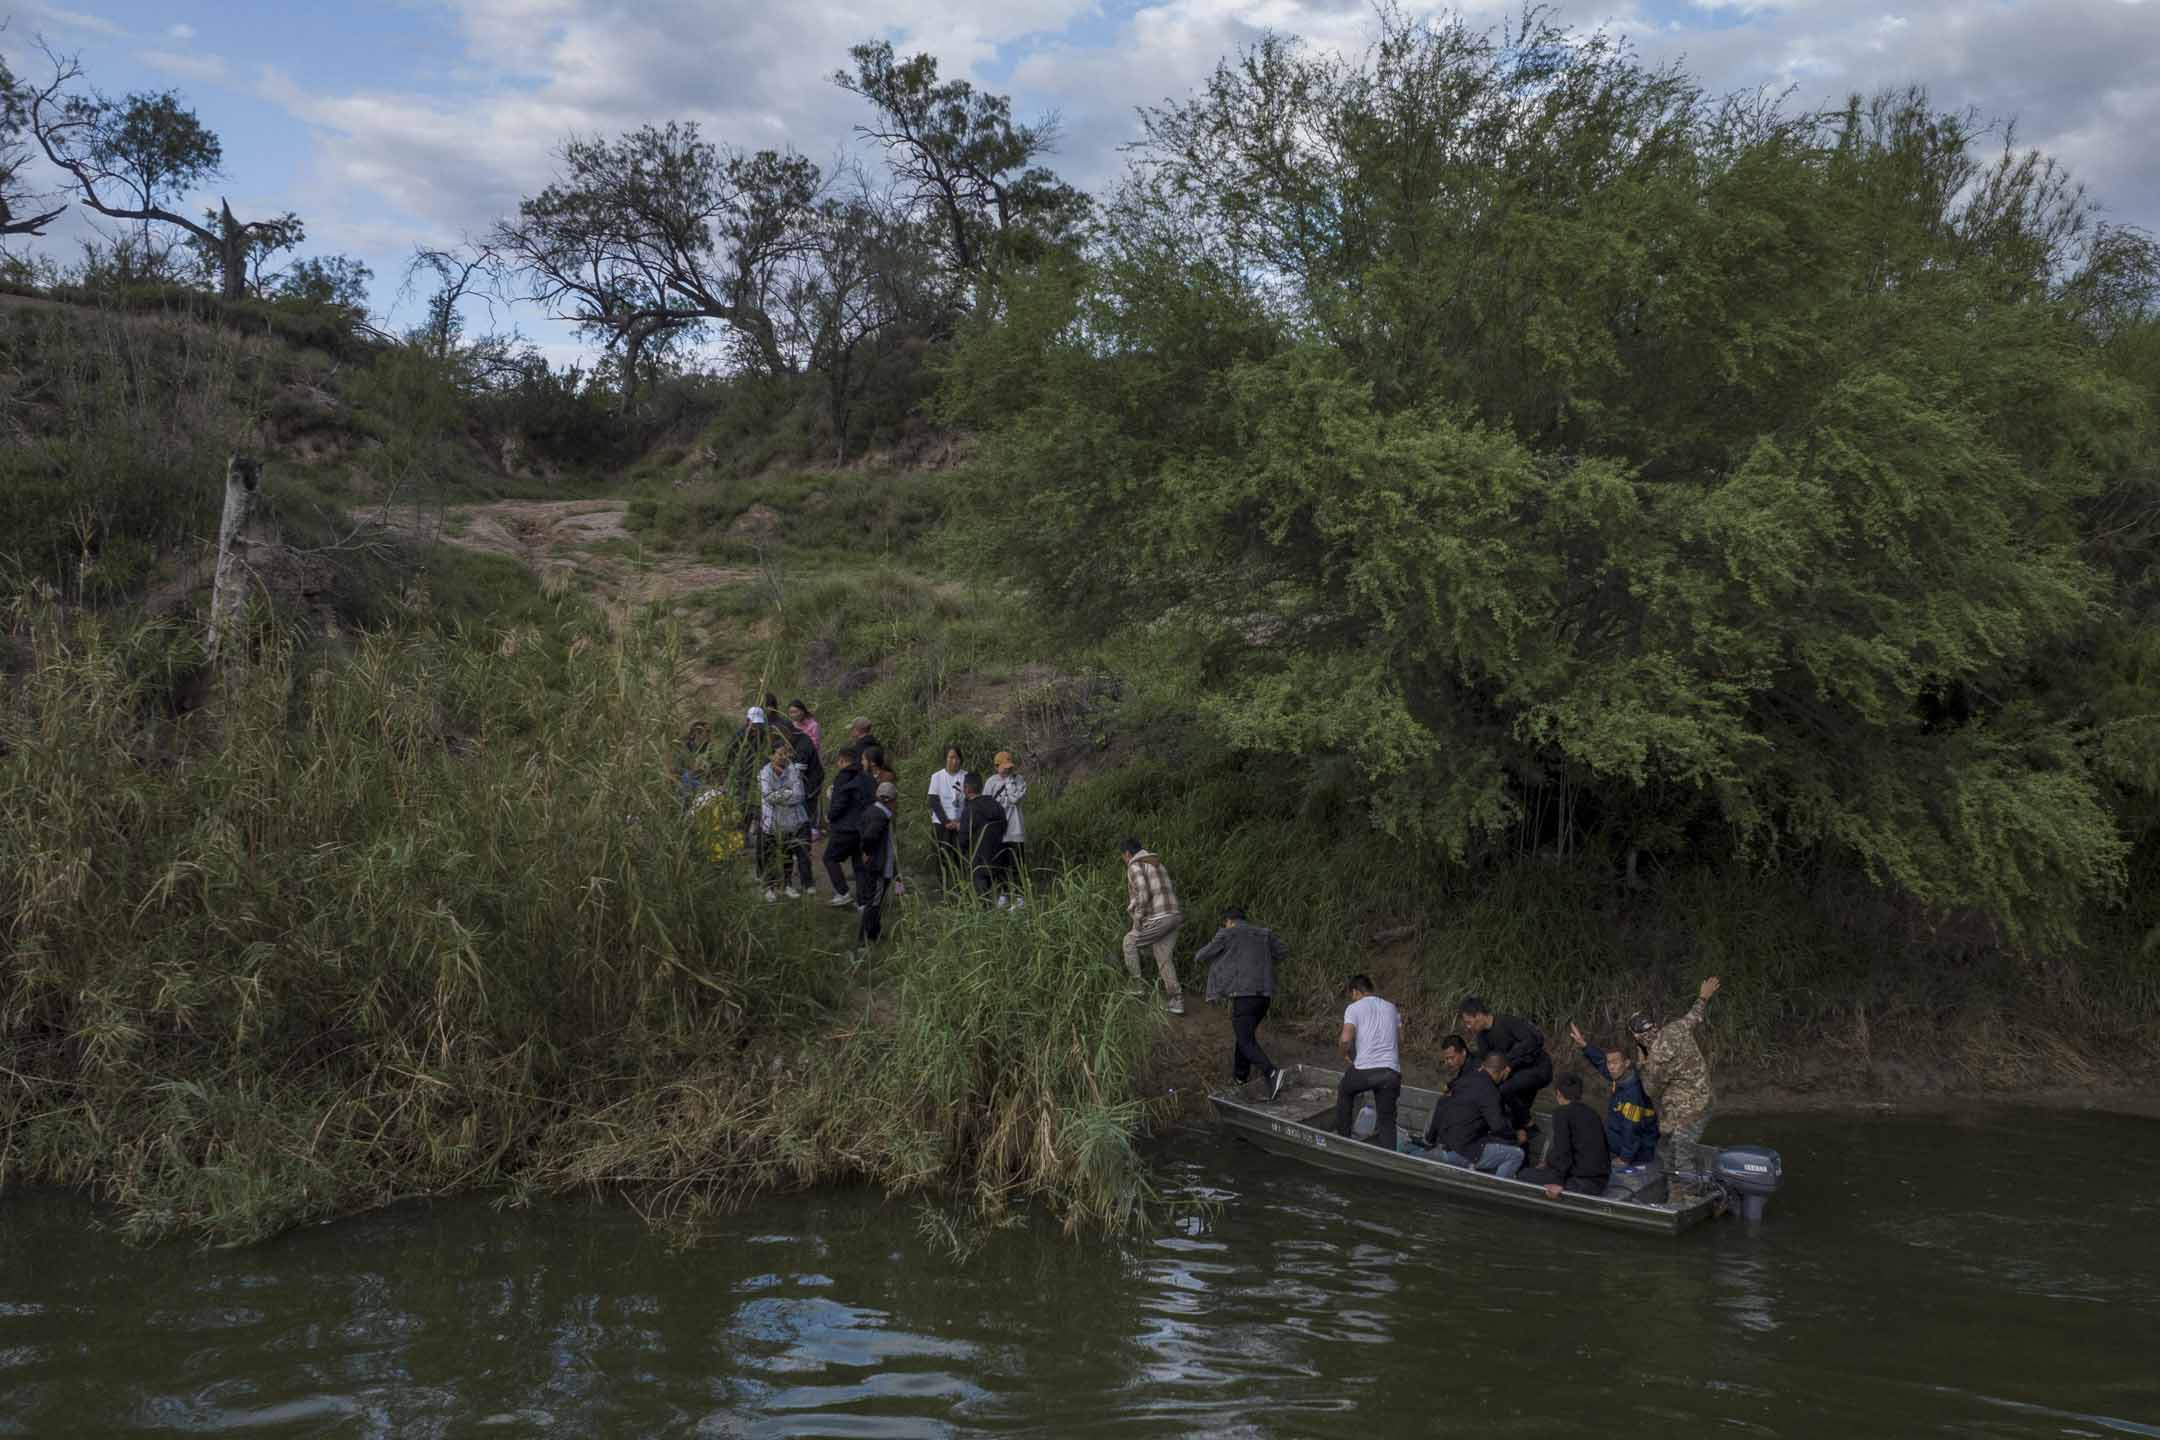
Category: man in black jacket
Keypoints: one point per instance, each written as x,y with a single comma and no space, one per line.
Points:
1578,1158
1470,1127
1239,963
982,834
852,795
874,864
1518,1042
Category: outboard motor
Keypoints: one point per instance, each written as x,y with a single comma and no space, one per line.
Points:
1749,1175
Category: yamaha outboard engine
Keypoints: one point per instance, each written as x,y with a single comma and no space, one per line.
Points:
1749,1175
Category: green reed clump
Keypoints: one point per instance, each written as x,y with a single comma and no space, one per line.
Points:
1017,1045
354,930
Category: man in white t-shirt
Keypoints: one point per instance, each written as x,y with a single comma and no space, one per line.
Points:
1370,1026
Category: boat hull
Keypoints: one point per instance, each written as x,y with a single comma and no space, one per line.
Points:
1299,1126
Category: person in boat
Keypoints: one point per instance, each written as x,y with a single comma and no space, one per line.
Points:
1631,1120
1577,1160
1518,1042
1370,1040
1240,961
1471,1127
1678,1078
1454,1058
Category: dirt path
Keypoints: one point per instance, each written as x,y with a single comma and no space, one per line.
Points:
585,545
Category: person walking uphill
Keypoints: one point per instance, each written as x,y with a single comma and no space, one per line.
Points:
1152,902
948,793
852,794
1241,961
783,824
1678,1078
1009,788
1371,1051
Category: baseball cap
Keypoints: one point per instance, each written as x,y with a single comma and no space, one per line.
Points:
1638,1023
756,715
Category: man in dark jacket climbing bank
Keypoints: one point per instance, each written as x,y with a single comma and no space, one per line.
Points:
852,794
1240,963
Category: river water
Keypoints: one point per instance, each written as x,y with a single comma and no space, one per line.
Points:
1917,1277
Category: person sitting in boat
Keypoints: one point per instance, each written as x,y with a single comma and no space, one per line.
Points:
1577,1161
1631,1120
1454,1059
1470,1128
1517,1041
1370,1027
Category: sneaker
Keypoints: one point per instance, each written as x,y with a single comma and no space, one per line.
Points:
899,887
1177,1004
793,893
1019,902
841,898
1003,901
771,895
1274,1085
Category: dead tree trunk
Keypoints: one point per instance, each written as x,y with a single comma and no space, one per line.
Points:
228,592
232,256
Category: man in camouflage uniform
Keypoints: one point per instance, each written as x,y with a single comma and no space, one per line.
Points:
1678,1078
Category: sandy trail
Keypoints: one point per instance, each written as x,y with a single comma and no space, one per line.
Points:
585,545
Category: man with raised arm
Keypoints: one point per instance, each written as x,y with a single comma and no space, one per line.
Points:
1678,1078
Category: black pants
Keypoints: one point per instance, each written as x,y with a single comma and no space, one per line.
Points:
1539,1175
1008,866
781,848
844,846
983,868
1246,1056
1386,1089
1519,1091
869,904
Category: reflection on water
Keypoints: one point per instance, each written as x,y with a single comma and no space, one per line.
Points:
1915,1278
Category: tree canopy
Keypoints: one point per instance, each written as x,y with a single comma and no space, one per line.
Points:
1510,420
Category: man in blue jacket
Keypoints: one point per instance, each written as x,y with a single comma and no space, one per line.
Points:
1631,1129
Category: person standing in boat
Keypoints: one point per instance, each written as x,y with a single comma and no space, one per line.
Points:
1240,961
1370,1045
1631,1120
1518,1042
1678,1078
1577,1162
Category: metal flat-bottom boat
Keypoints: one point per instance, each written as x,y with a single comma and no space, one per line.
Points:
1300,1123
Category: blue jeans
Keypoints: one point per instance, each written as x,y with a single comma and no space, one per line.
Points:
1494,1159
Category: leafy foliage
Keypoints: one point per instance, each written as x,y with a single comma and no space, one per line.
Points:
1502,415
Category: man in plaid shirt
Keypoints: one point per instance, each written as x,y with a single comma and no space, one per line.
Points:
1153,904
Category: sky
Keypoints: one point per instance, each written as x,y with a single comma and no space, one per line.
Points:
409,122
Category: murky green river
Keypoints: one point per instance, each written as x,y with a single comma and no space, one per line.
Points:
1918,1277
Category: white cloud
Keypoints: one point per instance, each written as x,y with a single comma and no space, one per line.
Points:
181,31
2082,76
202,69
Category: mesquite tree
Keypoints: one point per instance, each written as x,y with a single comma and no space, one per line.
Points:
137,158
22,211
1499,417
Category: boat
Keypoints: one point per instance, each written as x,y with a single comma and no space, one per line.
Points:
1300,1123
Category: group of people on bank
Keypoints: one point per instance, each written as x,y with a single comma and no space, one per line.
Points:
766,794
